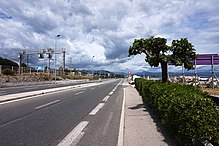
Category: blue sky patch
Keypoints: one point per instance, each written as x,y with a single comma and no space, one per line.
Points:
4,16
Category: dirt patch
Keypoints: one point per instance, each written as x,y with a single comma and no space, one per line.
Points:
35,77
214,91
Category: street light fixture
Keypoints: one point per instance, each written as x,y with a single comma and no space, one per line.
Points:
93,70
55,54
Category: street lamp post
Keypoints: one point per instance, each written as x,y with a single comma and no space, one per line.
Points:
93,70
55,54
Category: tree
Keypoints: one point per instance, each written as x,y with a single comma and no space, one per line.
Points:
159,53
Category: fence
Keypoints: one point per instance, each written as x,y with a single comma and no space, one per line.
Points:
15,69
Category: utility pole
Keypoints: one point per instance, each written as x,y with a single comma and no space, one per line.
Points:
20,56
63,61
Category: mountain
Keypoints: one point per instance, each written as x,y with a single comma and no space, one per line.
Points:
187,73
7,62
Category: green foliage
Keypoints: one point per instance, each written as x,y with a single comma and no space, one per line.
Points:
7,62
182,52
154,48
7,71
159,53
23,65
185,110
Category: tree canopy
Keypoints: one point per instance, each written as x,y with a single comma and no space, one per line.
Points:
159,53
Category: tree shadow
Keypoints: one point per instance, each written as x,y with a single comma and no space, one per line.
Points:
168,137
137,107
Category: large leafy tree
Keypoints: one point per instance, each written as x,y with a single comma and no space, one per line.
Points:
159,53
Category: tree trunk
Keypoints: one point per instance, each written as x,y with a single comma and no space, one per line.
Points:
164,71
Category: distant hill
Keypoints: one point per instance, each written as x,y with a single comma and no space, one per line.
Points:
158,74
7,62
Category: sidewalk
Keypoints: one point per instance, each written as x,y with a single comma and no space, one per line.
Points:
140,128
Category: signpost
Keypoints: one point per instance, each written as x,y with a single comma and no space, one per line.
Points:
205,59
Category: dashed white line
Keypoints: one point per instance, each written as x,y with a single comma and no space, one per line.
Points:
96,109
75,135
92,88
79,93
106,98
47,104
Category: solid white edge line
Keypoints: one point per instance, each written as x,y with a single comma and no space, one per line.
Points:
96,109
111,93
106,98
47,104
121,127
75,135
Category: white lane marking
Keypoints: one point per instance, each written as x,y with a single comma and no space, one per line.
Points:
121,127
79,93
111,93
96,109
14,121
75,135
2,93
78,138
47,104
106,98
92,88
107,123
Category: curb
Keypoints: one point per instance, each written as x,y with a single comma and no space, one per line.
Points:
11,97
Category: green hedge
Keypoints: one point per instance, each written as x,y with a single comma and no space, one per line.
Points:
7,71
184,109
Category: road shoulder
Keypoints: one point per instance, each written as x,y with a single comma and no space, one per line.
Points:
140,128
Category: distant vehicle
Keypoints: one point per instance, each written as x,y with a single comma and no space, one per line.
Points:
132,79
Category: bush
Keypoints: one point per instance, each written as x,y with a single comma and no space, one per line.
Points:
184,109
7,71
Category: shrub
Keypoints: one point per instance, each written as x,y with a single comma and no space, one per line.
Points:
7,71
184,109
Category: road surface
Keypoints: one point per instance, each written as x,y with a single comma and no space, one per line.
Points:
83,116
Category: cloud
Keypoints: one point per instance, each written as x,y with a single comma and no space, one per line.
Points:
105,29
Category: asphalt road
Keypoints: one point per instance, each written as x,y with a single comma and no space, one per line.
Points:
83,116
20,89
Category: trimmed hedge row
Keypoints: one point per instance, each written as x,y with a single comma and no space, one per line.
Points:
185,110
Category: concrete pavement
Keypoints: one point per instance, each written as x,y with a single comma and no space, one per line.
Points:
140,126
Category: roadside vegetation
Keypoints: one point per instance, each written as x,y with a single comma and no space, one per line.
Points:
157,52
186,111
9,76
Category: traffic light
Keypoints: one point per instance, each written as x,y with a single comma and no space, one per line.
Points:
41,55
49,55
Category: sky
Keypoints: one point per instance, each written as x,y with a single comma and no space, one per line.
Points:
97,34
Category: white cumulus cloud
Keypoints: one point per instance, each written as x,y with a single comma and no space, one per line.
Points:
97,34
